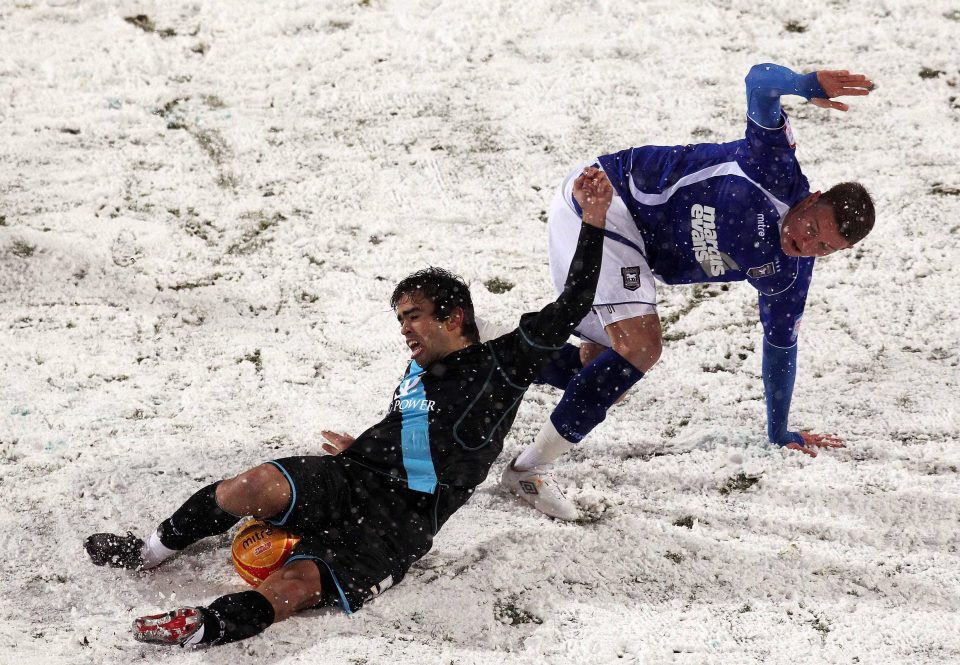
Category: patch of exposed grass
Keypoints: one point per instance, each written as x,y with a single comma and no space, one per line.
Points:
213,102
713,369
146,24
498,285
141,21
508,612
196,283
255,359
818,625
944,190
209,139
23,250
739,483
930,73
253,239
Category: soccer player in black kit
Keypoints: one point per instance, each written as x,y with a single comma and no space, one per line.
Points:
368,512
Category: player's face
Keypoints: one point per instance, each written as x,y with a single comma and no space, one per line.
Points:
810,229
427,338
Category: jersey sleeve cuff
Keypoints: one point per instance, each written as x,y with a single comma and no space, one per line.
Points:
783,120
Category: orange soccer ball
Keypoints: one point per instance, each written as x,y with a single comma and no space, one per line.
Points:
259,549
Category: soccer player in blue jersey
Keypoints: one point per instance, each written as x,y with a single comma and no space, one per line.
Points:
738,211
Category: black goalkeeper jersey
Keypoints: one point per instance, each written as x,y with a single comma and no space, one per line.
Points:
447,422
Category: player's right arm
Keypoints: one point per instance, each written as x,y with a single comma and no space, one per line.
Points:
767,82
539,334
553,324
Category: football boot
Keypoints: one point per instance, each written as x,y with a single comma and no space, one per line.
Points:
109,549
539,488
180,627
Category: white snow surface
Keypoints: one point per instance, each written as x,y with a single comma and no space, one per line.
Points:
201,221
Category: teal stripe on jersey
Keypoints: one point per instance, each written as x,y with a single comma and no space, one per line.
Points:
415,432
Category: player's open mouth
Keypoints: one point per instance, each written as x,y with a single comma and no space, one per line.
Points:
415,348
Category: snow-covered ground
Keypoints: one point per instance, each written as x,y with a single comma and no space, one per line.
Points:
203,212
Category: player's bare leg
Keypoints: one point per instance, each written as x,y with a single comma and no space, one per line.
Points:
589,352
639,340
295,587
262,492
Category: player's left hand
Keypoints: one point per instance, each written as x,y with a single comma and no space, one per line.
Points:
841,83
812,441
335,443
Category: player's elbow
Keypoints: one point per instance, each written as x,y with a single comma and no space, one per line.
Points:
760,74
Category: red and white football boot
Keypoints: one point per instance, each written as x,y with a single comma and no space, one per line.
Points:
172,628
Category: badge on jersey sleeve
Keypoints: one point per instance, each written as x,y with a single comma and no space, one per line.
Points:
631,278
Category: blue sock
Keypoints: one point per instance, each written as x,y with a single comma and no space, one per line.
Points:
563,366
591,393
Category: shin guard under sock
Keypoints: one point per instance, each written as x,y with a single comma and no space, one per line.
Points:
236,617
199,517
591,393
563,366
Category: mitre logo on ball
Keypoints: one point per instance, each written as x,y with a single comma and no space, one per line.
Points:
259,549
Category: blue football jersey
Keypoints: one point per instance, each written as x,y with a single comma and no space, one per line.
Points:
711,212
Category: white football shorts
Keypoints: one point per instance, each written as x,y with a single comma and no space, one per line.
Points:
627,287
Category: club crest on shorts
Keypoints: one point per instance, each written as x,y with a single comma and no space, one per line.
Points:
631,278
765,270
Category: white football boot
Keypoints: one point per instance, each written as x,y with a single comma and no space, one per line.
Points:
539,488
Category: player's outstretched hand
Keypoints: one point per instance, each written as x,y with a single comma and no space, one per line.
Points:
841,83
593,191
812,441
335,443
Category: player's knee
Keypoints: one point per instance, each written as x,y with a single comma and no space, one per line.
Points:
296,586
589,351
641,351
263,491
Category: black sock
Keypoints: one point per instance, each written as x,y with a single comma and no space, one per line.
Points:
199,517
236,617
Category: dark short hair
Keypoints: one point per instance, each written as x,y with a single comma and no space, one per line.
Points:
445,290
852,208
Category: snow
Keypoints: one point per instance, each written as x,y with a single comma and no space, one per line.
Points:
203,216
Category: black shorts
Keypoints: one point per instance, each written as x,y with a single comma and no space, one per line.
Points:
363,529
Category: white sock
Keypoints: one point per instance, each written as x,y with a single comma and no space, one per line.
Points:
546,448
154,552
